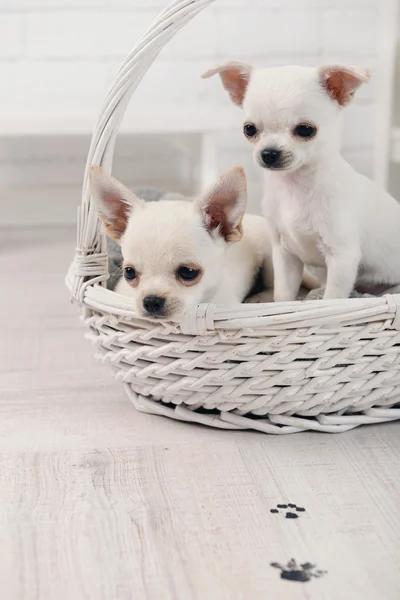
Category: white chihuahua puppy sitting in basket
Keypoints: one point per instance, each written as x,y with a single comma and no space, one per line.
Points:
176,253
320,211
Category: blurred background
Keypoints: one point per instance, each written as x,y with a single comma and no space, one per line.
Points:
58,58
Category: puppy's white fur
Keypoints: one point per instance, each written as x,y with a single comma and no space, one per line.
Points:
320,211
211,234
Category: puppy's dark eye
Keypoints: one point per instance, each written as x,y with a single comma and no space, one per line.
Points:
305,130
250,130
188,274
130,274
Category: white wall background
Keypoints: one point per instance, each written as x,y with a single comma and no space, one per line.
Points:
394,170
58,57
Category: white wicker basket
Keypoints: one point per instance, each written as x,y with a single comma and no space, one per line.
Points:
276,368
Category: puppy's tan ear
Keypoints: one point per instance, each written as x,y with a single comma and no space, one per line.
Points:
235,77
341,81
114,201
223,206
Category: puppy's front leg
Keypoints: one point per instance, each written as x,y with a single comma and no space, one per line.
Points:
288,272
341,274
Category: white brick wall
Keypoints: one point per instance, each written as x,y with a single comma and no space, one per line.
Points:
85,34
272,33
58,56
11,43
350,32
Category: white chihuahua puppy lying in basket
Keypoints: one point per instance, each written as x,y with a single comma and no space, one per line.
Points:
320,211
177,253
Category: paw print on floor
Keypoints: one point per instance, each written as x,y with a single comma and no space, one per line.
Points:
290,510
294,572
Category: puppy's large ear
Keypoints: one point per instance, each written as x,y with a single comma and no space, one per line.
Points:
223,206
341,81
114,201
235,77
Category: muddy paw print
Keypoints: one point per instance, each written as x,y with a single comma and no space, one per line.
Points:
298,572
290,510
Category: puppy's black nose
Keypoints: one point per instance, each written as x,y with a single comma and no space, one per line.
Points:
271,157
154,305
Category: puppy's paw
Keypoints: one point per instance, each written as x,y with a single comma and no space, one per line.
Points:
316,294
261,297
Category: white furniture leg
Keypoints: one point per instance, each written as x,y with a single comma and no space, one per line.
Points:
388,32
208,160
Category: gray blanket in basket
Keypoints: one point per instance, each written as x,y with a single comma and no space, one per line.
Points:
150,195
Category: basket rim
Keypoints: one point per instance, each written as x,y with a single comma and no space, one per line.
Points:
207,317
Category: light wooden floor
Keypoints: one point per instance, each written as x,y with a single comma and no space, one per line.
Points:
100,502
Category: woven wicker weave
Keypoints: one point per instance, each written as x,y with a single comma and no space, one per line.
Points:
275,368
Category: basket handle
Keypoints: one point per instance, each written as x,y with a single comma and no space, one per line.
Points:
90,261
